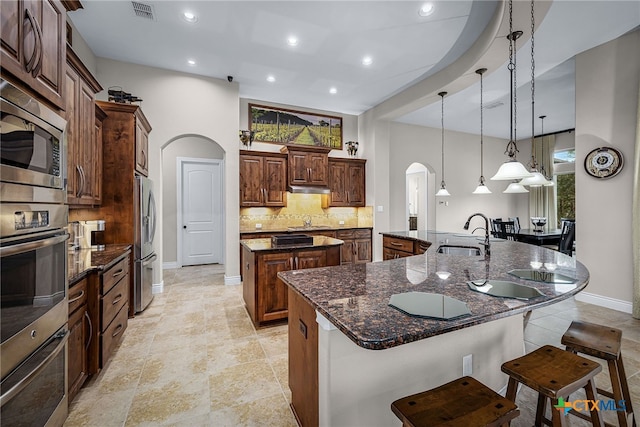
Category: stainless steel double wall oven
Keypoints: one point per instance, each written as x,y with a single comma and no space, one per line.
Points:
33,262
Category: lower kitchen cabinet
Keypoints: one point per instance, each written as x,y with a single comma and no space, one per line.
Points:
79,337
265,295
357,246
108,310
396,247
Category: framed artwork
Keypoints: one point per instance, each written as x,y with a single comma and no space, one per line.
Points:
281,126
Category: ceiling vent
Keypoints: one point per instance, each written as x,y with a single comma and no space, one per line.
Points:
143,10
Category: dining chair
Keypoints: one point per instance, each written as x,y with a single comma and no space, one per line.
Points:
507,230
495,225
516,223
567,237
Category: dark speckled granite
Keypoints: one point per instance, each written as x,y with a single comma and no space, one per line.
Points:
84,261
355,298
264,245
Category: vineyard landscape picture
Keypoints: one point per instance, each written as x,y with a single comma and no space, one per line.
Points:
281,126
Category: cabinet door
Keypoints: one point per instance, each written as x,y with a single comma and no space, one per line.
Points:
142,149
319,169
362,251
34,46
85,144
251,177
74,173
337,182
346,252
79,325
97,158
275,181
355,185
299,168
310,259
272,292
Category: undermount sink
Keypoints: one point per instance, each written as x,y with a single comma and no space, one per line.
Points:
458,250
505,289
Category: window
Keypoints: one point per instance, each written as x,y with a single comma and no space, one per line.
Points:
565,179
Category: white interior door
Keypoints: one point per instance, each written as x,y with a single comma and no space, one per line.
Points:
202,210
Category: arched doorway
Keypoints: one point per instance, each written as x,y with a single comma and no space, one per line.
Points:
176,153
417,200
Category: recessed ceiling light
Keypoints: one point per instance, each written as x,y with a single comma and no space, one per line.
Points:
333,90
191,62
367,60
271,79
426,9
292,41
190,17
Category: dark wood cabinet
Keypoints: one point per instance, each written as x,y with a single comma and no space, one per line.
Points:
396,247
357,246
303,360
307,165
79,337
263,179
347,183
33,47
265,295
108,306
84,145
142,146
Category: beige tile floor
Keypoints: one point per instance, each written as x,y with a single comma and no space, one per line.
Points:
193,358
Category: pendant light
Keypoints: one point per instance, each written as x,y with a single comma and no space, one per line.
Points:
443,187
536,179
512,169
481,188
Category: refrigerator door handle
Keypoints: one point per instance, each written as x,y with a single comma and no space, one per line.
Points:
150,260
152,216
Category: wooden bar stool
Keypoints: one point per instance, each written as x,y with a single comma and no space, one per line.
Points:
604,343
554,373
463,402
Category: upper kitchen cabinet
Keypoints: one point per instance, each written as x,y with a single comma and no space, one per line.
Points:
84,139
33,47
127,122
263,179
307,166
346,182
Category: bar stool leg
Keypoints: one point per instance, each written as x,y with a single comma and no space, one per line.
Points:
512,389
625,390
540,409
596,415
558,418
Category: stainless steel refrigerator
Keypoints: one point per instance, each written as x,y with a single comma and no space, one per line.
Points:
145,230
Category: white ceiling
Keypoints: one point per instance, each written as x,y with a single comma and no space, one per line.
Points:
247,40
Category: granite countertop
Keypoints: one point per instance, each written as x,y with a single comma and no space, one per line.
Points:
354,298
81,262
264,245
299,229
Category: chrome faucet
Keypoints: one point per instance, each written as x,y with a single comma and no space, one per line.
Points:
486,244
307,221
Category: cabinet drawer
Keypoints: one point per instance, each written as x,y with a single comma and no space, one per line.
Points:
421,247
114,274
398,244
77,295
362,234
113,301
113,334
345,234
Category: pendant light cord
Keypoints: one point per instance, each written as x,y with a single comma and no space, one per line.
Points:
481,72
534,163
442,94
512,148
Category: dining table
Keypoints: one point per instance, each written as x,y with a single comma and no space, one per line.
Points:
546,236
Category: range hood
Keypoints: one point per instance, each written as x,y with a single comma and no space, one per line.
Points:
308,189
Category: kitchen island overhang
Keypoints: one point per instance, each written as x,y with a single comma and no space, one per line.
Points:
356,385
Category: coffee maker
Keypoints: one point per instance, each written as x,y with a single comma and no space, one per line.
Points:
92,234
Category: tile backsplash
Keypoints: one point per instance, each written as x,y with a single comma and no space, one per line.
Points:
304,206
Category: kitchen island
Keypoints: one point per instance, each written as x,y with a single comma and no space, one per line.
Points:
351,354
265,296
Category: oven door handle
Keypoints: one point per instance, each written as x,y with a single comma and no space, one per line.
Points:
30,246
63,336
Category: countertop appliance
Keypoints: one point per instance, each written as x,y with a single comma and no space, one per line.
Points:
33,262
145,230
92,234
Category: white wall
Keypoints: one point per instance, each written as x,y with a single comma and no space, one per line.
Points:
178,104
462,168
607,79
187,146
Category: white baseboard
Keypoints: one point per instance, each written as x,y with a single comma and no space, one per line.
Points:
607,302
169,265
232,280
157,288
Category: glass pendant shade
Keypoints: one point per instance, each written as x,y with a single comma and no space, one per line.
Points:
443,190
511,170
515,187
536,180
482,189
